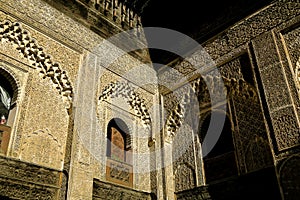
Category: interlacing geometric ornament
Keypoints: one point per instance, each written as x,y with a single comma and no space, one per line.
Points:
28,47
123,89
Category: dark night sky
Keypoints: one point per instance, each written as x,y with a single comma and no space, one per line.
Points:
197,21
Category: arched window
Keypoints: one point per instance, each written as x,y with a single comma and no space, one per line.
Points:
5,99
8,96
119,153
220,162
118,141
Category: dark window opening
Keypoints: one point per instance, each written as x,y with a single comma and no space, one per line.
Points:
220,162
5,99
8,89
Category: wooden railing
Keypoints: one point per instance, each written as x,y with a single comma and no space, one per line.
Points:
4,138
118,11
106,190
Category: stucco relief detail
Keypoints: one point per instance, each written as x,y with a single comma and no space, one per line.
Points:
28,47
43,148
123,89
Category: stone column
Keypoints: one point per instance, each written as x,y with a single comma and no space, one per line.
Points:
81,172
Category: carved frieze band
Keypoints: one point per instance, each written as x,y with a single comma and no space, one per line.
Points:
28,47
118,172
103,191
200,193
13,169
18,190
238,35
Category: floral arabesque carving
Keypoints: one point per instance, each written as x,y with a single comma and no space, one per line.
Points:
28,47
119,89
39,147
184,177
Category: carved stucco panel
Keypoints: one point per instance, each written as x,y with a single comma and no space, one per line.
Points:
133,99
69,60
41,101
183,159
49,19
184,177
28,47
41,147
253,26
286,128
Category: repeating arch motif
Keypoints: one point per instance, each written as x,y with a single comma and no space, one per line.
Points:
199,89
115,89
28,47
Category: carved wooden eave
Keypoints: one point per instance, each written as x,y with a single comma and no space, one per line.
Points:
108,18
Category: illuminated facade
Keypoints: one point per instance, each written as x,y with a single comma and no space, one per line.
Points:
80,121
